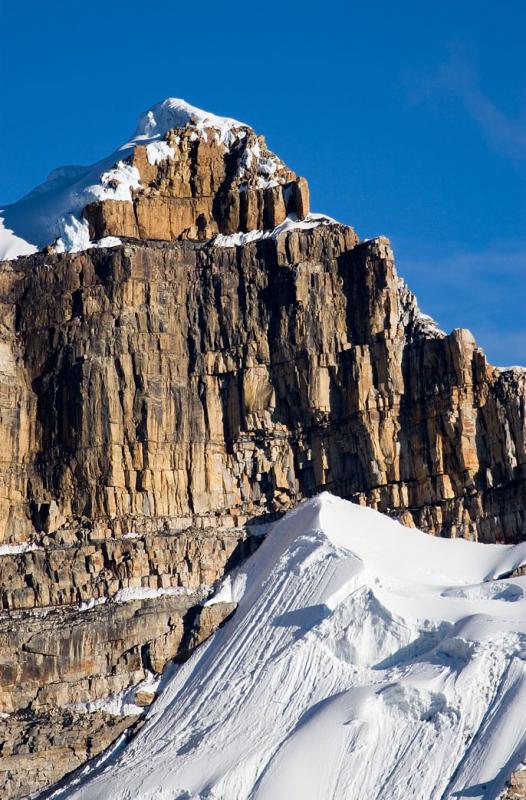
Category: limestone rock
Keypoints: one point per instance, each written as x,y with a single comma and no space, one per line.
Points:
157,387
209,619
33,757
203,187
144,698
517,786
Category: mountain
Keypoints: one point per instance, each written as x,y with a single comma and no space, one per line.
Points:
365,660
132,191
189,353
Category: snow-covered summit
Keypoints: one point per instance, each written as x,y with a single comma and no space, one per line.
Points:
176,113
52,212
365,660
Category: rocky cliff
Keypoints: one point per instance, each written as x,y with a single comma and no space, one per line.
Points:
227,355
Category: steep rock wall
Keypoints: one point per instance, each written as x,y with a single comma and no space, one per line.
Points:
150,386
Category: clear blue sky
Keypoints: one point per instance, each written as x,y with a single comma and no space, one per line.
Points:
407,118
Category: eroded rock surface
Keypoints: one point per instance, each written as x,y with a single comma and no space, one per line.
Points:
152,387
517,786
36,754
203,188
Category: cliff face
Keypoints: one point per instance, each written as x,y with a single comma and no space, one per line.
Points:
160,396
147,387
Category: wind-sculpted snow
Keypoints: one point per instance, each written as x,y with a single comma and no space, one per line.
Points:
365,660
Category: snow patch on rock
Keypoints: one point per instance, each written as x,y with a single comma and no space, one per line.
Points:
121,704
513,369
176,113
159,151
429,326
51,213
16,549
93,602
265,166
230,590
290,224
73,234
132,593
108,241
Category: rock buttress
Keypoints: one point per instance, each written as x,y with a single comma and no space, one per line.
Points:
149,385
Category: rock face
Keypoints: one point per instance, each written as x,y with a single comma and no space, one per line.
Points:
150,387
158,396
201,188
63,665
517,786
37,755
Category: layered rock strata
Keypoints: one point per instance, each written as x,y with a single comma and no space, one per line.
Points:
160,397
38,754
65,664
151,387
196,187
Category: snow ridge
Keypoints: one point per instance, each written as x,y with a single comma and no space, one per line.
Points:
365,660
176,113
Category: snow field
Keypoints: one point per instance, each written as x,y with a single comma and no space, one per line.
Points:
365,660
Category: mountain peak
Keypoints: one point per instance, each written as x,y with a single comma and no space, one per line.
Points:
184,174
174,113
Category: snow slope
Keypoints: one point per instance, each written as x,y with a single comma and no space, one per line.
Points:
52,210
365,660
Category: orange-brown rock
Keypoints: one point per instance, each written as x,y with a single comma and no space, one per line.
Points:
70,656
63,571
113,218
209,619
153,387
274,207
517,786
301,204
57,661
37,755
201,189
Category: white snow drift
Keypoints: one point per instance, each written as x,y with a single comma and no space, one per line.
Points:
365,660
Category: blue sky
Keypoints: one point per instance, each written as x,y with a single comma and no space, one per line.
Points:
407,118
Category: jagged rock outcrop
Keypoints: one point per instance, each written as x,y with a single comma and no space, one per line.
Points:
37,755
196,187
159,395
68,653
517,786
64,664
